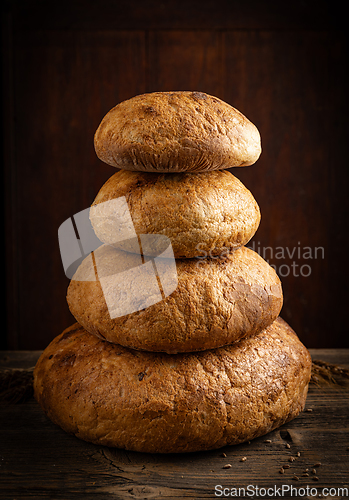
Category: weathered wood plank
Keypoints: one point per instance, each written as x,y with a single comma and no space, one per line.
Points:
63,462
39,460
18,359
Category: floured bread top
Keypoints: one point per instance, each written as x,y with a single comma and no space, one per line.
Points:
176,132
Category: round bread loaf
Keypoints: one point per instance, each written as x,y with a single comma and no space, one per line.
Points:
160,403
202,214
176,132
216,302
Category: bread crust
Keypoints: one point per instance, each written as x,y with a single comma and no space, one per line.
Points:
152,402
176,132
217,301
203,214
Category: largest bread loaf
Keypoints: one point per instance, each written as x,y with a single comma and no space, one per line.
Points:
159,403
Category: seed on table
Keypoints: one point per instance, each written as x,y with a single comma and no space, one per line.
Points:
243,459
317,465
224,455
296,478
315,478
288,446
298,453
291,459
227,466
309,409
267,441
282,471
286,466
313,471
305,475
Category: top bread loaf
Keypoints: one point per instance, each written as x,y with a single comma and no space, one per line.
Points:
176,132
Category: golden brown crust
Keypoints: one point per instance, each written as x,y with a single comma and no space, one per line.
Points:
159,403
206,213
176,132
217,301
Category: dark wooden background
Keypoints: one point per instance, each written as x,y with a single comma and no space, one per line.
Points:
283,64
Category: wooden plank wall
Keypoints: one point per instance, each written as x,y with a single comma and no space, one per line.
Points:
65,64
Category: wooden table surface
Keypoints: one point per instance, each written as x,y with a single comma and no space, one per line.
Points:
39,460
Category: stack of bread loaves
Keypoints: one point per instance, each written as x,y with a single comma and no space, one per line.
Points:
209,363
